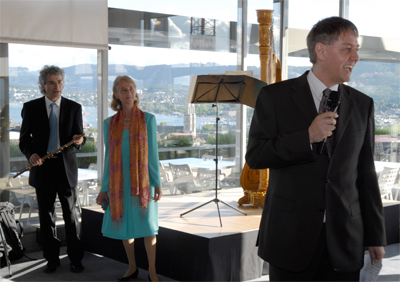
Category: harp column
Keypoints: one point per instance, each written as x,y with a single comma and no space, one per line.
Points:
264,18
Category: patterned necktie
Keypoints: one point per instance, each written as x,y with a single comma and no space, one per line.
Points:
321,110
324,100
53,130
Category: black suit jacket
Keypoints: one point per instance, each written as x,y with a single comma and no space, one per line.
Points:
303,185
35,130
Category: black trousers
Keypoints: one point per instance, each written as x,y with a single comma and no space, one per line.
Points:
55,183
320,268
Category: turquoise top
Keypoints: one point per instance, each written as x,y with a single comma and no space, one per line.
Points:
133,225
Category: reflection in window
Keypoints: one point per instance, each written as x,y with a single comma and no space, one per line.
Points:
161,52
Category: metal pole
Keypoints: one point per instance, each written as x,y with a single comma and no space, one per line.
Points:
102,107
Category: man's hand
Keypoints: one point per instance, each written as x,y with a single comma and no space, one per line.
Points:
322,126
157,193
35,160
376,253
77,140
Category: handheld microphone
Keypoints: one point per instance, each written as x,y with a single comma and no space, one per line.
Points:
333,101
332,105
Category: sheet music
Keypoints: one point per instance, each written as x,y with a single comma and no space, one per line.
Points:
370,272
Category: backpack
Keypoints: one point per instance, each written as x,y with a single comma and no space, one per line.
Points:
11,233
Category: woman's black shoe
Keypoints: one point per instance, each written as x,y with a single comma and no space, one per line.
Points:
132,276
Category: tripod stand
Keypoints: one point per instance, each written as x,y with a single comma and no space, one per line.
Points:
215,200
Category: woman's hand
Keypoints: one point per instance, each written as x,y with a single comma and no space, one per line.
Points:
101,197
157,193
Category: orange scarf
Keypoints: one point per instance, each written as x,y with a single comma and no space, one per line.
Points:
139,170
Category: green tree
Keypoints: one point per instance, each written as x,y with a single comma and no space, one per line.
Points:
207,128
229,138
180,141
92,129
89,147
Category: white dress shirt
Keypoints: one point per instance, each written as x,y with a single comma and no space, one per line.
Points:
317,87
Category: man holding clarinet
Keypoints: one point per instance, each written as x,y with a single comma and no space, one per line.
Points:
47,123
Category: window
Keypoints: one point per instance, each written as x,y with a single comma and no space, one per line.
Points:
163,47
378,75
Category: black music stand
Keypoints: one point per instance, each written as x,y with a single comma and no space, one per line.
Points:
234,89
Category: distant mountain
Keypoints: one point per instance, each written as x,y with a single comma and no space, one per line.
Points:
378,80
84,77
21,77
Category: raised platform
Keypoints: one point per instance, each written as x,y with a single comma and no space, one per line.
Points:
193,247
392,221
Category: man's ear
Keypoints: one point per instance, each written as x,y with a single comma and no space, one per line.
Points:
320,51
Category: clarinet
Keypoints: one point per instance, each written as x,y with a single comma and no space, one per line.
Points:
49,155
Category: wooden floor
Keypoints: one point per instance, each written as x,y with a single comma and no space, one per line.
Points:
204,221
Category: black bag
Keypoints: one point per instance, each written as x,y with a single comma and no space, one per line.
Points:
12,234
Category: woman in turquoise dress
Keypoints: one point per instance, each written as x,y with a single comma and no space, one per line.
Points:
131,181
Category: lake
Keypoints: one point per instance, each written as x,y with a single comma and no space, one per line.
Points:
90,117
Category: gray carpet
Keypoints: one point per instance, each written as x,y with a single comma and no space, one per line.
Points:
98,268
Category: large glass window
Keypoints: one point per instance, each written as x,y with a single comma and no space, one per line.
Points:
161,50
378,75
301,18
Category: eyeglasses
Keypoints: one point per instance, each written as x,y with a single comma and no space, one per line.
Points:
53,83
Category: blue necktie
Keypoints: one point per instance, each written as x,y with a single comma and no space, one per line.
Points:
53,130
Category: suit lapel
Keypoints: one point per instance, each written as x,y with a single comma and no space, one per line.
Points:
62,114
344,112
43,116
303,99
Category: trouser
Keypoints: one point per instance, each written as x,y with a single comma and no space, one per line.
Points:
55,183
320,268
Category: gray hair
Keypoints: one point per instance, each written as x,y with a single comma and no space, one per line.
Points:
115,103
45,72
327,31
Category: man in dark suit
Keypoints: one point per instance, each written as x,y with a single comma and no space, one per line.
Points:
59,174
323,204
